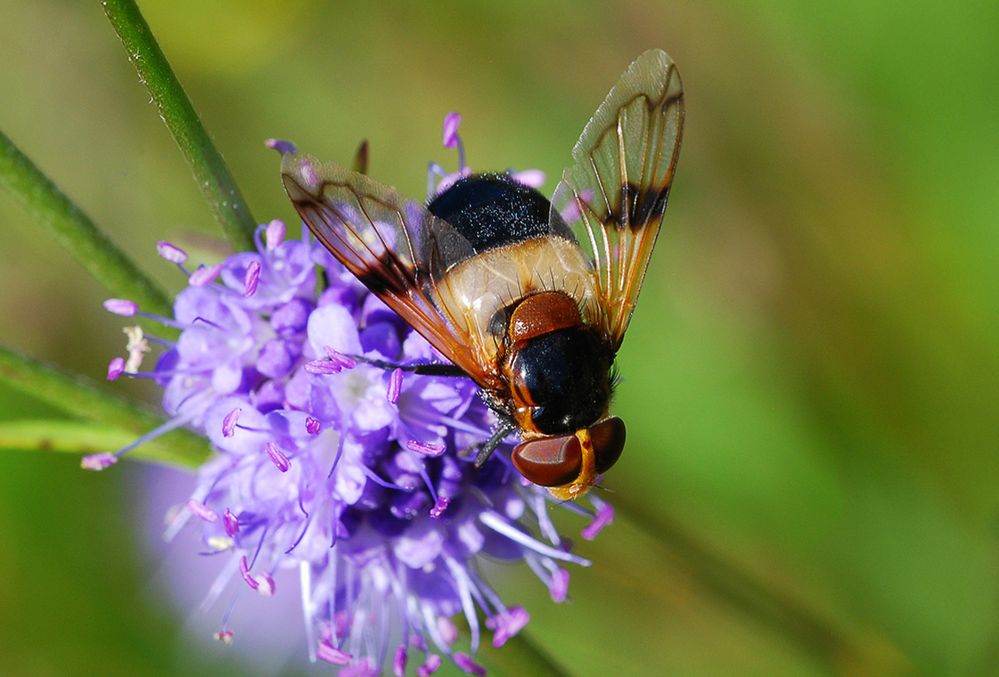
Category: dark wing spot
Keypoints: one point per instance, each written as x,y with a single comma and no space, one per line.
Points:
642,203
389,275
650,203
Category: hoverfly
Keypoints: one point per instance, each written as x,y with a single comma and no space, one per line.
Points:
528,297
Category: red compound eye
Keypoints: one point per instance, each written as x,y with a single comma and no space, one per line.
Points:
550,461
608,443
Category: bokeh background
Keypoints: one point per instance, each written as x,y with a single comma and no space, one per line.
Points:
811,380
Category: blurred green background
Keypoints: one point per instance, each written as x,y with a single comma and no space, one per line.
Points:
811,380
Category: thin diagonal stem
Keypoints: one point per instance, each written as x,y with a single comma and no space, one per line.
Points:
76,231
214,180
778,610
81,397
521,655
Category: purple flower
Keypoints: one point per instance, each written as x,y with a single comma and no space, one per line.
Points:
356,479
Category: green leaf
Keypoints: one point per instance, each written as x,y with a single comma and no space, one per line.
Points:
82,397
77,232
210,172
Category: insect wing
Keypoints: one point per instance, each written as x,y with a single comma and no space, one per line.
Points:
389,243
614,194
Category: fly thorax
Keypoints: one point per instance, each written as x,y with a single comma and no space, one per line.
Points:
560,381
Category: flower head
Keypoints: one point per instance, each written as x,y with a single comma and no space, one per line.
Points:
359,478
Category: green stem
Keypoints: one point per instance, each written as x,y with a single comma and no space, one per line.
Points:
80,437
75,231
81,397
216,183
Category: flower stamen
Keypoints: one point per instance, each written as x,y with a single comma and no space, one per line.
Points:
116,367
605,515
275,234
395,386
229,422
431,449
278,457
202,511
122,307
171,252
231,523
312,425
451,138
251,279
204,275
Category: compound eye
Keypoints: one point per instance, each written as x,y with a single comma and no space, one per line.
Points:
608,443
550,461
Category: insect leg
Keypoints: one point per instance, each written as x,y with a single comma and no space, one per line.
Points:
489,446
429,369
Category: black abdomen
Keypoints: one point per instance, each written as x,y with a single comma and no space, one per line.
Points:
493,210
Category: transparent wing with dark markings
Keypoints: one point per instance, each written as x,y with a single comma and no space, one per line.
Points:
614,195
389,243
